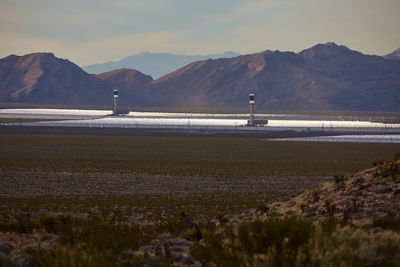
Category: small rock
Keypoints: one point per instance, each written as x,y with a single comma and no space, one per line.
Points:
312,208
383,190
344,202
363,186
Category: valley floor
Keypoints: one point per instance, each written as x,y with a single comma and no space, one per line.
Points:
61,190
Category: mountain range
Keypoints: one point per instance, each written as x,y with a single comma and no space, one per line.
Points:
154,64
324,77
42,78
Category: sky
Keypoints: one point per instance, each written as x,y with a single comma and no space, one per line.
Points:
95,31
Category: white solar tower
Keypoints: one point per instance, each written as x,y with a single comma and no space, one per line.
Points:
251,102
115,101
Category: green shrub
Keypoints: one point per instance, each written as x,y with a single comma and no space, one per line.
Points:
173,226
274,242
330,225
190,234
9,225
49,223
213,249
5,260
263,208
339,182
20,223
388,169
350,246
377,162
103,235
71,256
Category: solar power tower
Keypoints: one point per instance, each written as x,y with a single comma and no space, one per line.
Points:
115,101
251,102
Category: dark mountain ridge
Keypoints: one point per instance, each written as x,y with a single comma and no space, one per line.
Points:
394,55
323,77
326,76
44,78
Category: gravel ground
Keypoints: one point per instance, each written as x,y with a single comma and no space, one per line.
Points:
18,184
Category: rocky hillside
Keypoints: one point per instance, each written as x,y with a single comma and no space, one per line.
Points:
362,198
349,221
44,78
323,77
326,76
129,82
124,78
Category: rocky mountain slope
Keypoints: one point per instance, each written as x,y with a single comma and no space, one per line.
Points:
394,55
323,77
154,64
326,76
361,198
129,82
44,78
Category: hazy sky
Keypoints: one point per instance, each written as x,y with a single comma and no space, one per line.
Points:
87,32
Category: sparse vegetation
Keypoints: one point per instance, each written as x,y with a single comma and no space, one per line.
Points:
184,156
294,242
390,168
233,227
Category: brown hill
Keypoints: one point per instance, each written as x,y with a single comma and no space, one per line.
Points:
326,76
124,78
323,77
129,82
44,78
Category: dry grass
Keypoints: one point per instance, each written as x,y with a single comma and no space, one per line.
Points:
82,225
185,156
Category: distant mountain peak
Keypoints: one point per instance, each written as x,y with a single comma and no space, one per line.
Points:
11,57
39,54
325,76
328,49
31,55
144,53
331,44
154,64
394,55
